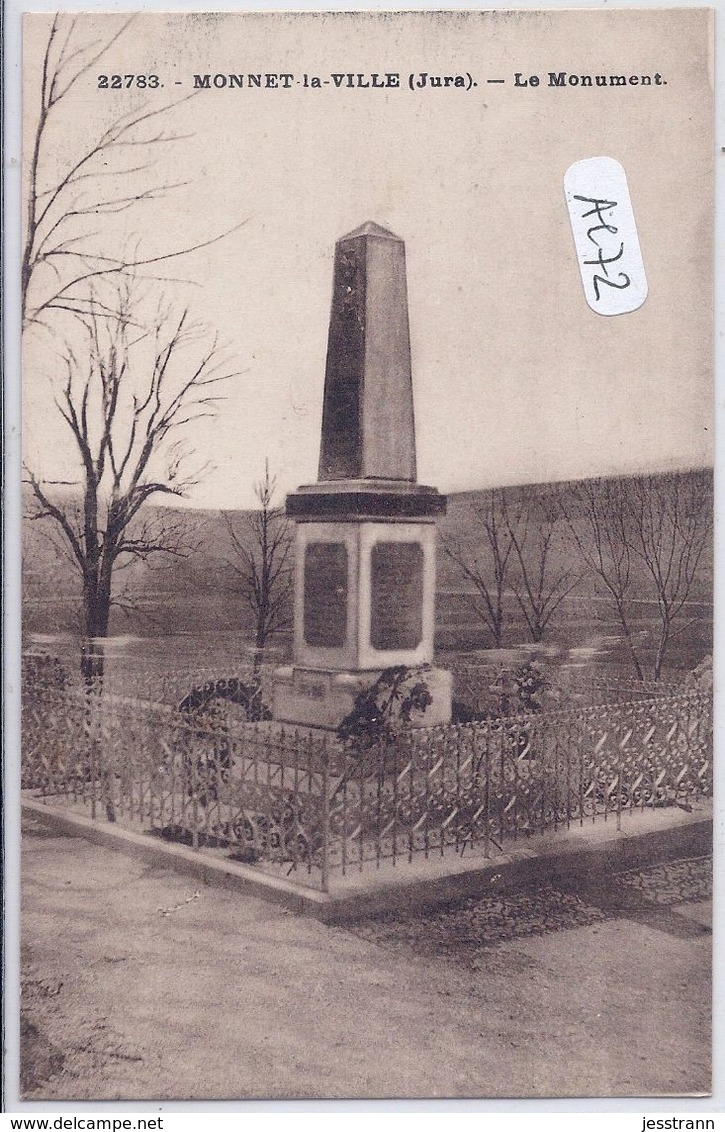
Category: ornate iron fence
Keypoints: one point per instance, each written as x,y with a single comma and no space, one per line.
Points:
297,800
479,784
201,777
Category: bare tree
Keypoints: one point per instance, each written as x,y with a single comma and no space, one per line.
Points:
128,398
66,259
644,538
596,518
262,561
541,580
669,526
487,564
133,387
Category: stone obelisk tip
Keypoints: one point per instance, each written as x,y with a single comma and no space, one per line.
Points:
370,228
368,427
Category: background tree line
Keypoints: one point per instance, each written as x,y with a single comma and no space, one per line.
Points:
544,563
640,545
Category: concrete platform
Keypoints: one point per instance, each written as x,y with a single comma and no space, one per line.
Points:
647,837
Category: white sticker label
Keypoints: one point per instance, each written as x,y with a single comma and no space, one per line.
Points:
605,234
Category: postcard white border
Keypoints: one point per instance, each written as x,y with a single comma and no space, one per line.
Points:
11,600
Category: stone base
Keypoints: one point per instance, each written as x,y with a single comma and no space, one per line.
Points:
317,697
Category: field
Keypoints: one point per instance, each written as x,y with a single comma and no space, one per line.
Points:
208,637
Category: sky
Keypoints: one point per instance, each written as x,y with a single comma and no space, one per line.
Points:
515,379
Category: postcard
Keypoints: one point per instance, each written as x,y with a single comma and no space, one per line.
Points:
367,555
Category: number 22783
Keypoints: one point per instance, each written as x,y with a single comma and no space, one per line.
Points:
119,82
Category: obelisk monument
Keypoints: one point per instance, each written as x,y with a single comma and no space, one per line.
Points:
365,532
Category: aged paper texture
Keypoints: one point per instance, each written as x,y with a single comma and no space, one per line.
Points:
442,284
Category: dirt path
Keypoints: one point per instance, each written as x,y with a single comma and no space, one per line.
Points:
138,985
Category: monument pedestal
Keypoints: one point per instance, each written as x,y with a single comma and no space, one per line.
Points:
364,597
319,697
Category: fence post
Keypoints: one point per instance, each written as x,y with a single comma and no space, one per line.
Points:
194,767
325,816
94,707
487,788
94,769
620,783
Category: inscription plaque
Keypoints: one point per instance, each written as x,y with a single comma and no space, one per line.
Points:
396,609
325,596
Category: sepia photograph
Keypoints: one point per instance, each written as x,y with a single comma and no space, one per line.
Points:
367,555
